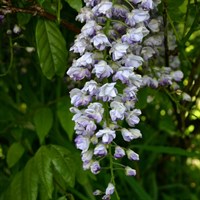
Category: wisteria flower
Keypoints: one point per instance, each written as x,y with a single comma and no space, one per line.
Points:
107,135
119,152
86,156
91,87
90,28
95,167
95,111
132,60
103,8
100,41
118,50
82,143
130,134
78,73
100,150
107,91
129,171
79,98
132,117
132,155
118,110
85,14
102,69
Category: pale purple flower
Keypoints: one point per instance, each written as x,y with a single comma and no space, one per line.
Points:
154,25
150,82
86,165
130,134
100,41
102,69
119,11
78,73
118,110
136,79
132,117
119,152
92,3
106,197
97,192
100,150
129,171
95,111
155,40
107,91
147,4
133,35
90,28
132,155
103,8
85,126
120,28
123,74
165,79
86,156
118,50
147,52
85,60
85,15
110,189
95,167
177,75
79,98
82,143
80,45
174,62
132,60
107,135
91,87
137,16
130,93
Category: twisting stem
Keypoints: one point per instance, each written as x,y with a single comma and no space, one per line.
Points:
36,10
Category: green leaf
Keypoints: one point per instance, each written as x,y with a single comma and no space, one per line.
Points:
23,19
65,116
15,190
51,48
15,152
43,120
168,150
62,198
63,163
75,4
142,194
43,166
40,1
30,181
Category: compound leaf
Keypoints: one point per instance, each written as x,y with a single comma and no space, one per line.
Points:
51,48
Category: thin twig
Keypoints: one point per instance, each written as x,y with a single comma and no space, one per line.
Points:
36,10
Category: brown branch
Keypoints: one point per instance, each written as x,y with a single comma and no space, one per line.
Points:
37,11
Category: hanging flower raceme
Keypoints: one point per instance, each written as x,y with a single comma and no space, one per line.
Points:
111,50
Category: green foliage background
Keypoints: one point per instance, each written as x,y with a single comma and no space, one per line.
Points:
38,160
